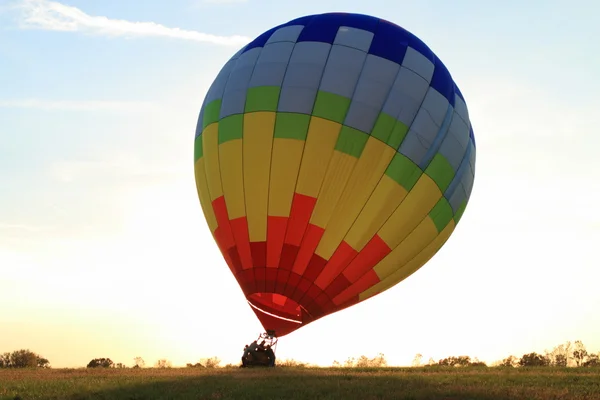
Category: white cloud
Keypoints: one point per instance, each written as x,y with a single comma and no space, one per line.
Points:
77,105
53,16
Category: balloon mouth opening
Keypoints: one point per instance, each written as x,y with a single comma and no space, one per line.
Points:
271,314
277,312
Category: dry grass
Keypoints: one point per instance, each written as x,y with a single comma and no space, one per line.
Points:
303,383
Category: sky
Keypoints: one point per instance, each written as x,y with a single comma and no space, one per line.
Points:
104,250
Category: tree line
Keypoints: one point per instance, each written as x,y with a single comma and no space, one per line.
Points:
569,354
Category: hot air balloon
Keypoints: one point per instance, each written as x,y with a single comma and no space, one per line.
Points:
334,157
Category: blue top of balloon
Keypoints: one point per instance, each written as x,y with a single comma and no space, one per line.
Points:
382,38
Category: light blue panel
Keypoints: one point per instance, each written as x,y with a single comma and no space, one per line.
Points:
462,169
342,70
376,80
354,37
272,64
286,34
452,150
439,136
436,105
276,53
461,109
303,75
249,58
297,99
455,144
268,74
467,179
306,65
362,116
420,137
373,86
242,71
418,63
218,86
234,97
234,102
310,52
457,198
460,130
406,96
414,146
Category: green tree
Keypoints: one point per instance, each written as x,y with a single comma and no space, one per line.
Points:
100,363
23,358
510,361
579,353
593,360
533,360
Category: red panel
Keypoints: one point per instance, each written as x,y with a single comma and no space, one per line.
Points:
301,289
366,281
338,285
270,278
325,303
239,227
309,244
288,256
235,259
315,267
220,209
374,251
260,273
302,208
259,254
276,227
292,284
281,280
246,280
342,257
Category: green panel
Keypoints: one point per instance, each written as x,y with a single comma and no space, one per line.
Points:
211,113
198,149
262,98
351,141
460,211
331,106
231,127
441,214
291,125
398,134
403,171
440,171
389,130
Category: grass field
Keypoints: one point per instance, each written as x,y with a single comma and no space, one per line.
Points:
302,383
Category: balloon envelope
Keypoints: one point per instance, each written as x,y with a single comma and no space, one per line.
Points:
334,156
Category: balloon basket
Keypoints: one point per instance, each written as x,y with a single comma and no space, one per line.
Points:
261,352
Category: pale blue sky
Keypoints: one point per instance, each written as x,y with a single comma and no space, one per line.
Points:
100,225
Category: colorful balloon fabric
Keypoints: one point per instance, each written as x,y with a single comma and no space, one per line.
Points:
334,156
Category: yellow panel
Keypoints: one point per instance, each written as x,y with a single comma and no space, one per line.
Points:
210,144
338,173
418,239
369,169
320,143
417,204
258,142
385,199
412,266
287,154
232,177
204,195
